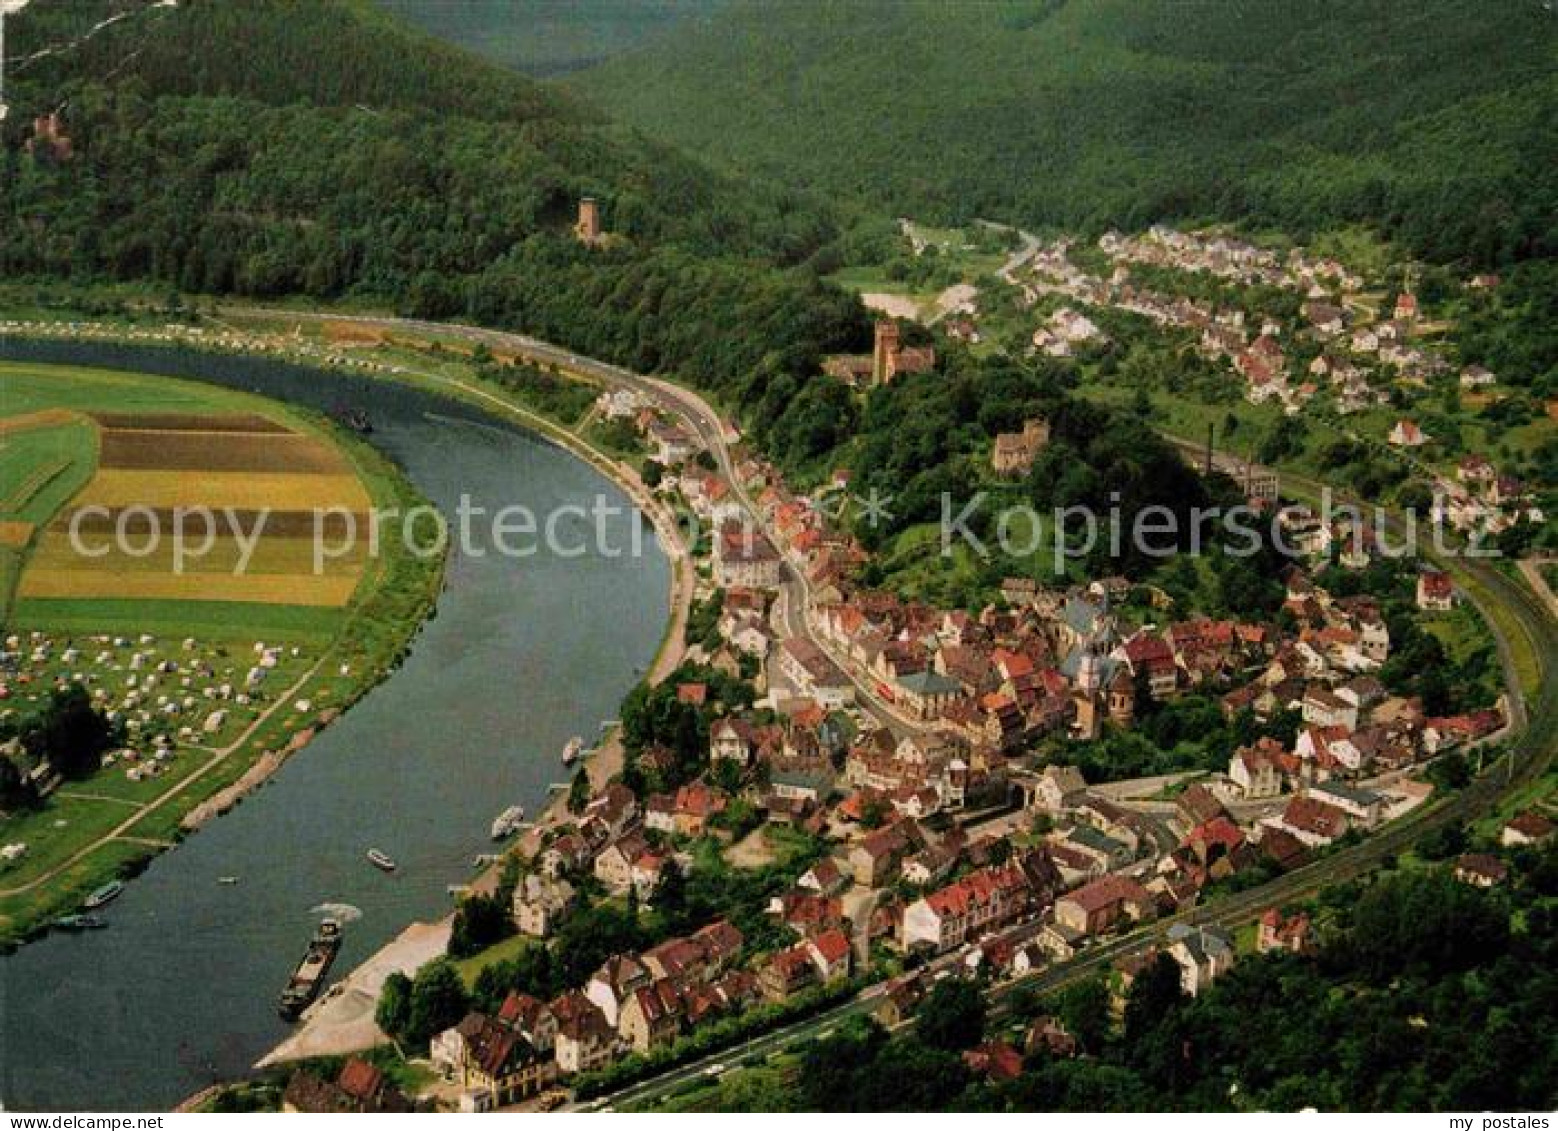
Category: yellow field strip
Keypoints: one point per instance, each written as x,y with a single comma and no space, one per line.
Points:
120,487
329,591
30,421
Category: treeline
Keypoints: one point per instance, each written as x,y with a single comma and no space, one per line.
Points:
1432,122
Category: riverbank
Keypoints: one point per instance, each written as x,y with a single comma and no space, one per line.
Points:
106,828
342,1021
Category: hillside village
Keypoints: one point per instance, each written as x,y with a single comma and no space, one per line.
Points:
1328,346
894,748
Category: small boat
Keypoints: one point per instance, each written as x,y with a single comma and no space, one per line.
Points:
104,895
80,923
227,881
310,973
572,751
507,821
380,860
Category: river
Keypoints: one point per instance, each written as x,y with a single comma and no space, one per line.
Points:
522,654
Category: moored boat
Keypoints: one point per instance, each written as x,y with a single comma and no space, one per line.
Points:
80,923
309,976
104,895
572,751
380,860
507,821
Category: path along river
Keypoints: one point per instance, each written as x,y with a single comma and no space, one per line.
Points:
521,655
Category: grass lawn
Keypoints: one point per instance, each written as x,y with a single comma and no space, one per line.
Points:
43,467
511,947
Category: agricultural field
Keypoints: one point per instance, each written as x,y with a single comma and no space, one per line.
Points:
204,668
119,465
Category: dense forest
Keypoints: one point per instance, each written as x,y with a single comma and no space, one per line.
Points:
1433,121
340,155
543,37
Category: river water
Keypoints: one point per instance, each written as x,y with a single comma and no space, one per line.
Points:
522,654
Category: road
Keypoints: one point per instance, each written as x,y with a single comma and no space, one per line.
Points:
1533,724
798,611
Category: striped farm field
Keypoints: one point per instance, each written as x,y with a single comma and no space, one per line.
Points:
135,448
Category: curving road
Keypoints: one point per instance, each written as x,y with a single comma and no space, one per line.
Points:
1533,720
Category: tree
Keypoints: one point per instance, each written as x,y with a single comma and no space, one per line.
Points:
670,895
1084,1010
393,1014
579,791
70,734
437,1001
952,1016
481,921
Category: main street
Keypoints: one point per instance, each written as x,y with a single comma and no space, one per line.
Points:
1503,603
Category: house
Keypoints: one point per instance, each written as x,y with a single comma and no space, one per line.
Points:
1049,1037
825,877
531,1018
1203,954
540,904
994,1059
652,1015
492,1064
669,443
359,1089
615,865
813,674
1481,870
1435,592
1528,828
787,973
1328,750
1057,787
1255,770
585,1041
1198,804
1406,434
731,740
899,999
1311,821
876,859
745,557
1363,806
979,902
1324,708
611,985
568,853
831,953
1095,907
1278,933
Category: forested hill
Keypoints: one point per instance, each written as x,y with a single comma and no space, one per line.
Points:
1434,120
544,37
319,148
318,52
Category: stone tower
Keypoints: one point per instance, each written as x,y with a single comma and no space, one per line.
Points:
587,229
1122,697
885,354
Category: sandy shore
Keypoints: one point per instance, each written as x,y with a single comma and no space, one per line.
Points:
342,1021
